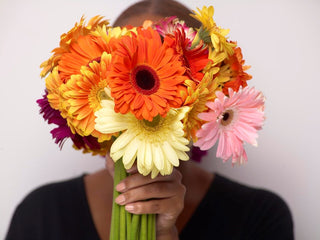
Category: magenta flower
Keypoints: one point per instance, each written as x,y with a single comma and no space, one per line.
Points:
196,154
233,121
170,25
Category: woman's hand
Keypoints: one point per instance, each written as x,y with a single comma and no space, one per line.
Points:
163,195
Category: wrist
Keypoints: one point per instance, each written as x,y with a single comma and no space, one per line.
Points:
171,234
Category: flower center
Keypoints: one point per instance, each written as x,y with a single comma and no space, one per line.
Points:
97,94
102,95
156,121
97,59
145,80
227,117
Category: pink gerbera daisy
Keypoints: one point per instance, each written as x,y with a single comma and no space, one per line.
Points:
232,120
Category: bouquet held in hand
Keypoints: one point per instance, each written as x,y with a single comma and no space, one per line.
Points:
146,95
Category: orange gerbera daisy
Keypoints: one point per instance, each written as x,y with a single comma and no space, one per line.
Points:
233,70
81,53
83,93
145,75
68,39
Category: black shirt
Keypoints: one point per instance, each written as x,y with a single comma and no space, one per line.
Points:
229,210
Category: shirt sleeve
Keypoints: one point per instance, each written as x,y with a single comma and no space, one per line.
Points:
19,228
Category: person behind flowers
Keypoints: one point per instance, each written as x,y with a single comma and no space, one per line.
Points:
191,203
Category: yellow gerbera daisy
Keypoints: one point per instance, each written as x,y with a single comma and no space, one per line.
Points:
53,82
157,145
197,99
83,93
112,33
213,35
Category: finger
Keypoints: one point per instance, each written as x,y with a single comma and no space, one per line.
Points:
133,169
150,191
170,207
137,180
110,164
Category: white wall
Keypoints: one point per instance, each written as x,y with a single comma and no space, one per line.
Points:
280,39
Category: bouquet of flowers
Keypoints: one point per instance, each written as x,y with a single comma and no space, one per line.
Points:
145,94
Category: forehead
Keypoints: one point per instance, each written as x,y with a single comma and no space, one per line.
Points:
139,19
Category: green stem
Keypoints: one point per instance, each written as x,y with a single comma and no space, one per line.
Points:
143,227
125,225
135,227
154,217
149,226
195,41
122,223
129,223
123,174
115,218
119,174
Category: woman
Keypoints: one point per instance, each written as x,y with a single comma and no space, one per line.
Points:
191,203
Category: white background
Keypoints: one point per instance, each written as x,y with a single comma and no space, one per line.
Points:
280,39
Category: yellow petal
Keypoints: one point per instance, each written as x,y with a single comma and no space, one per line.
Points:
157,156
148,155
141,159
182,155
123,141
130,153
154,173
170,154
116,155
178,145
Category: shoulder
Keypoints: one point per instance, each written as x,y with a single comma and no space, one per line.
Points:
239,193
243,195
232,210
263,213
49,209
62,193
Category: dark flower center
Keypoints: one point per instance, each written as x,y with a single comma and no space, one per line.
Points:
97,59
154,123
227,117
102,95
145,79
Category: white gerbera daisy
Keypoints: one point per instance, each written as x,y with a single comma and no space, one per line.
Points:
157,145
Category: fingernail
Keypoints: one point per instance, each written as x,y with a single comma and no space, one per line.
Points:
129,208
120,187
120,199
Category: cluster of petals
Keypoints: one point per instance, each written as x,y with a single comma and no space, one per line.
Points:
196,100
169,25
146,92
213,35
234,71
68,39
